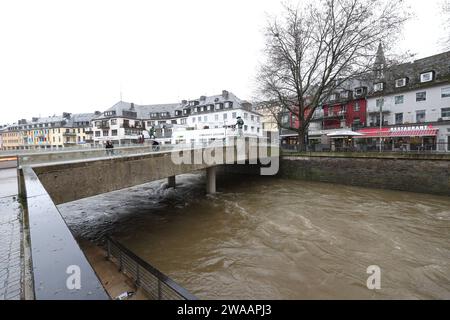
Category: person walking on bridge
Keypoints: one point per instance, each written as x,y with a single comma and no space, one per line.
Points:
109,148
240,124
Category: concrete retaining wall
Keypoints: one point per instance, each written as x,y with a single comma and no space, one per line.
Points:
396,173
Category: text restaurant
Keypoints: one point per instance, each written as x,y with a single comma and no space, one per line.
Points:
401,138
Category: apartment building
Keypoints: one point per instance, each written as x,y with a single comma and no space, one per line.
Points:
182,122
48,133
409,105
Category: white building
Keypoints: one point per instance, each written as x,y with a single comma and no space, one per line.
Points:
414,101
125,122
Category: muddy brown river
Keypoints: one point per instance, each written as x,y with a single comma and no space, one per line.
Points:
270,238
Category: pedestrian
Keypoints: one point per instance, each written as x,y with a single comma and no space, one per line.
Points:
109,148
239,124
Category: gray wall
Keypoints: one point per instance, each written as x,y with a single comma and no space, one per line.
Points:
406,174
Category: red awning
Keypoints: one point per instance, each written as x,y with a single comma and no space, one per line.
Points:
397,132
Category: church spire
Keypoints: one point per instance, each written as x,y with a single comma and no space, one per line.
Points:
380,59
380,63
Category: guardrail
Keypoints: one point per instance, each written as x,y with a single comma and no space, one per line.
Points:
156,284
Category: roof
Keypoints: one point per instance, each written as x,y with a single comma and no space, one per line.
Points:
143,111
439,64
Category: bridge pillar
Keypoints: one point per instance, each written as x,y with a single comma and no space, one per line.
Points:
171,182
211,180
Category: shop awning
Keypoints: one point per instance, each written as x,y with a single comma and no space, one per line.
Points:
414,131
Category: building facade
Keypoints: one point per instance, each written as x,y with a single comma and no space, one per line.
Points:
409,105
182,122
48,133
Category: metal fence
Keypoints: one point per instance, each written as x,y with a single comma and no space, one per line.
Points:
437,148
157,285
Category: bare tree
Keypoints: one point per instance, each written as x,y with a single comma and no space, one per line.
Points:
317,48
446,15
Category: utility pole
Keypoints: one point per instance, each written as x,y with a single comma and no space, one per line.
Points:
381,120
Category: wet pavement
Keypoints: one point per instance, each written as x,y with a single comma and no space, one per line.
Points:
10,237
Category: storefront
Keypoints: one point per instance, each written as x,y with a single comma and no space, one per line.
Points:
401,138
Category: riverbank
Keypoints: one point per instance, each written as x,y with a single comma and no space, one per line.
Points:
114,282
404,172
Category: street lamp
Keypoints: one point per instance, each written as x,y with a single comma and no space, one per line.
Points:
381,119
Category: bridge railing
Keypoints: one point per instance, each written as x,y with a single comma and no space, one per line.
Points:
156,284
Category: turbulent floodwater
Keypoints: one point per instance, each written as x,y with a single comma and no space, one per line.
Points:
269,238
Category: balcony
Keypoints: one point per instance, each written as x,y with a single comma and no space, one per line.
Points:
69,134
338,114
374,109
103,126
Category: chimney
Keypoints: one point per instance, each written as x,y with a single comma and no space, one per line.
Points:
202,98
183,101
97,113
132,106
66,115
225,94
34,119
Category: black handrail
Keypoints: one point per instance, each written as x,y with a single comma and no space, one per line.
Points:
158,274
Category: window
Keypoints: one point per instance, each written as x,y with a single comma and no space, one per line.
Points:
105,133
257,119
333,97
233,115
199,119
216,117
380,103
359,92
356,107
252,118
378,87
399,118
113,121
193,120
421,96
252,129
445,92
97,133
445,112
257,129
420,116
245,115
399,99
225,116
400,83
245,127
356,122
114,132
426,77
183,121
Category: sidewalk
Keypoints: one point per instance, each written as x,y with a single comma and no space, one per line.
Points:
10,237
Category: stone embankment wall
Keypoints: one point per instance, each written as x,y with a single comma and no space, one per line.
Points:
397,172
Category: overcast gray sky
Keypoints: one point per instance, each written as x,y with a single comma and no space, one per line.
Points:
77,56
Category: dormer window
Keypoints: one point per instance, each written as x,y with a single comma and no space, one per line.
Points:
399,83
378,87
333,97
219,106
359,92
228,104
345,94
426,77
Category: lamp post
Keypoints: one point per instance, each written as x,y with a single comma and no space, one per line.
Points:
381,120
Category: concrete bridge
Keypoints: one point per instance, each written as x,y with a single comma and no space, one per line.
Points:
48,179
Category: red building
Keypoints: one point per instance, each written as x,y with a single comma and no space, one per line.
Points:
344,114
